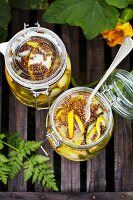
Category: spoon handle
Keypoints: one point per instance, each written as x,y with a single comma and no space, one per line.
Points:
124,50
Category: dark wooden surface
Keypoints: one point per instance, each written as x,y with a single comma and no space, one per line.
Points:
109,176
67,195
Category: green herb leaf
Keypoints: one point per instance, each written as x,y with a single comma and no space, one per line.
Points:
92,16
29,5
2,136
4,172
13,139
41,159
37,168
15,162
118,3
28,170
32,145
1,145
3,158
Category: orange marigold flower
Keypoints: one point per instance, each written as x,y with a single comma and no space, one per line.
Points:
117,35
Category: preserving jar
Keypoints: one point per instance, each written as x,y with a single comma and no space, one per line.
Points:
37,66
116,93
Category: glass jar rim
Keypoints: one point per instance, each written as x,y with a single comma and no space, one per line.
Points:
68,92
41,83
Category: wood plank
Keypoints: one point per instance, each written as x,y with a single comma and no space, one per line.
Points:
18,111
66,196
40,120
123,154
1,73
123,141
96,177
70,171
40,117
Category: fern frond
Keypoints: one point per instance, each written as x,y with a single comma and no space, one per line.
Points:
41,159
14,139
2,136
35,175
38,168
28,169
3,158
15,162
32,145
1,145
4,172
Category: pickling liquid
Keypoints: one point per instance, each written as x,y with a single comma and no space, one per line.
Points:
70,123
38,59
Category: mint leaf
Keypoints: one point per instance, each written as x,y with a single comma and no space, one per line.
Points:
29,5
92,16
117,3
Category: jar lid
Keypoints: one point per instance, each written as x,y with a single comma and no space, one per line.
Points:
118,90
35,56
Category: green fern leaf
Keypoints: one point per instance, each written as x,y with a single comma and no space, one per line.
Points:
28,169
15,162
14,139
40,176
2,136
41,159
21,145
32,145
1,145
35,174
4,172
3,158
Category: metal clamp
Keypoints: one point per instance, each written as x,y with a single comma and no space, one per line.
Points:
56,143
26,25
37,93
114,99
37,24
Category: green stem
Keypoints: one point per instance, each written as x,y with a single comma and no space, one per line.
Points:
14,148
9,145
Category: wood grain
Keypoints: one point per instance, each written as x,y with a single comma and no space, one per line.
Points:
17,111
70,171
96,168
66,196
123,141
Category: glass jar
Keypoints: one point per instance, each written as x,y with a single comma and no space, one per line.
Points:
29,55
117,93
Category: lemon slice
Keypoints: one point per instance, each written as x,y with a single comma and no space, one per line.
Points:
33,44
71,124
100,121
61,115
93,136
79,122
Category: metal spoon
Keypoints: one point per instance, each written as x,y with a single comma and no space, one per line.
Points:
124,50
